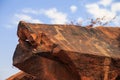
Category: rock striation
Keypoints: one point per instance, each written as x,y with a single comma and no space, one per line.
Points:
67,52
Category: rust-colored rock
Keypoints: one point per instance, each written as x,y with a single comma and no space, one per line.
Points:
68,52
22,76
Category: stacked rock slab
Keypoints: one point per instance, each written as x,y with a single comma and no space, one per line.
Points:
68,52
22,76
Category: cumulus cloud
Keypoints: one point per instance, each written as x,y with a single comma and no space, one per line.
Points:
117,21
56,16
73,8
115,7
105,2
97,11
22,17
80,20
29,10
53,14
27,18
32,11
27,14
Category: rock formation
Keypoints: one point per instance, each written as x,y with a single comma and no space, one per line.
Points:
67,52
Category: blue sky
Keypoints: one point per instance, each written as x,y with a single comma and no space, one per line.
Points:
49,12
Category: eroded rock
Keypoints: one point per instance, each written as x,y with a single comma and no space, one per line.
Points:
68,52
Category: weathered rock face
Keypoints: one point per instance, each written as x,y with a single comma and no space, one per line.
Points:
22,76
68,52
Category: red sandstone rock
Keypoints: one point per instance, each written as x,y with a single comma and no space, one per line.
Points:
22,76
68,52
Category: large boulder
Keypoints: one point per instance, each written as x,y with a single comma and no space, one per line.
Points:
68,52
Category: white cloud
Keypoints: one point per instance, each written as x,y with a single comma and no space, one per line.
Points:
29,10
117,21
73,8
80,20
56,16
105,2
28,14
98,12
115,7
22,17
27,18
33,11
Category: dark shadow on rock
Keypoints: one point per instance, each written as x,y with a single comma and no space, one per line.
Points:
117,78
118,39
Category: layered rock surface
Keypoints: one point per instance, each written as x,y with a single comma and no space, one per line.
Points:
67,52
